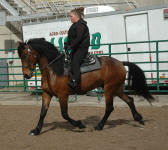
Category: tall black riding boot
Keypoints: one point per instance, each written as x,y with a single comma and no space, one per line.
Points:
74,85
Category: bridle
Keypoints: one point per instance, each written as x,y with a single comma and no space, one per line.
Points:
28,66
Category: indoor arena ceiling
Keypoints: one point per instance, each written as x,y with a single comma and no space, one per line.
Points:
23,11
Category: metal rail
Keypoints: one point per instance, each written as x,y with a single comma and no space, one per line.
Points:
156,85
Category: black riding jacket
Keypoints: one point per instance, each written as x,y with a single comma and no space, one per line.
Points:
78,35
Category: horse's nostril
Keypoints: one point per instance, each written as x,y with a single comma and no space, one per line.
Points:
27,76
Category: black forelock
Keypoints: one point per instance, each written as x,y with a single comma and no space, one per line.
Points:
20,48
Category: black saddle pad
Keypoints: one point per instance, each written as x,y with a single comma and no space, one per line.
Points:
90,63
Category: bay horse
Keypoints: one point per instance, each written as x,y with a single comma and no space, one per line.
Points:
111,76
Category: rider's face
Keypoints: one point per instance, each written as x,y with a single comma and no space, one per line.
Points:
74,17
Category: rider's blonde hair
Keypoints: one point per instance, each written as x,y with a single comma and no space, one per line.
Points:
78,11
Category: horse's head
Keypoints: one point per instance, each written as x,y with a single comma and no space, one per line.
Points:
28,58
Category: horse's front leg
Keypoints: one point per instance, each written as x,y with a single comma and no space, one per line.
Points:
46,98
64,111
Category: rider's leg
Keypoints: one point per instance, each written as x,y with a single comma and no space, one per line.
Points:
77,58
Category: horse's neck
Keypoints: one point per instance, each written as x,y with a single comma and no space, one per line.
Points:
43,66
46,74
42,62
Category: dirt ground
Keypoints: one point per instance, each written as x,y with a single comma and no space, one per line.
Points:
120,132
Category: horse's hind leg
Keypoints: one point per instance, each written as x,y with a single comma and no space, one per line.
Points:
109,109
64,111
46,98
130,101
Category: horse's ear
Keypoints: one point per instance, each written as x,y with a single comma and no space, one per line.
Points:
18,43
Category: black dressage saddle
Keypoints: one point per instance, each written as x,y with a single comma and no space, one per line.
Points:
89,63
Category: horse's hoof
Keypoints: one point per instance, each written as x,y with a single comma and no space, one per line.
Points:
34,132
142,122
80,124
98,127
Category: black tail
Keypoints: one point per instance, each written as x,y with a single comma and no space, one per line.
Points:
137,81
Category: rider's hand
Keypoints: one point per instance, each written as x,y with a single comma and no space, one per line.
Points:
68,56
65,45
67,48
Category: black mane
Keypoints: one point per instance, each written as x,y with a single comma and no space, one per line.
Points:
45,48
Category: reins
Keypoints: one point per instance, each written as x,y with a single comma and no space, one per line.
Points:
55,59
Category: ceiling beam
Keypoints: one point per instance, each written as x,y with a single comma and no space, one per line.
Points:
28,17
7,6
51,14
